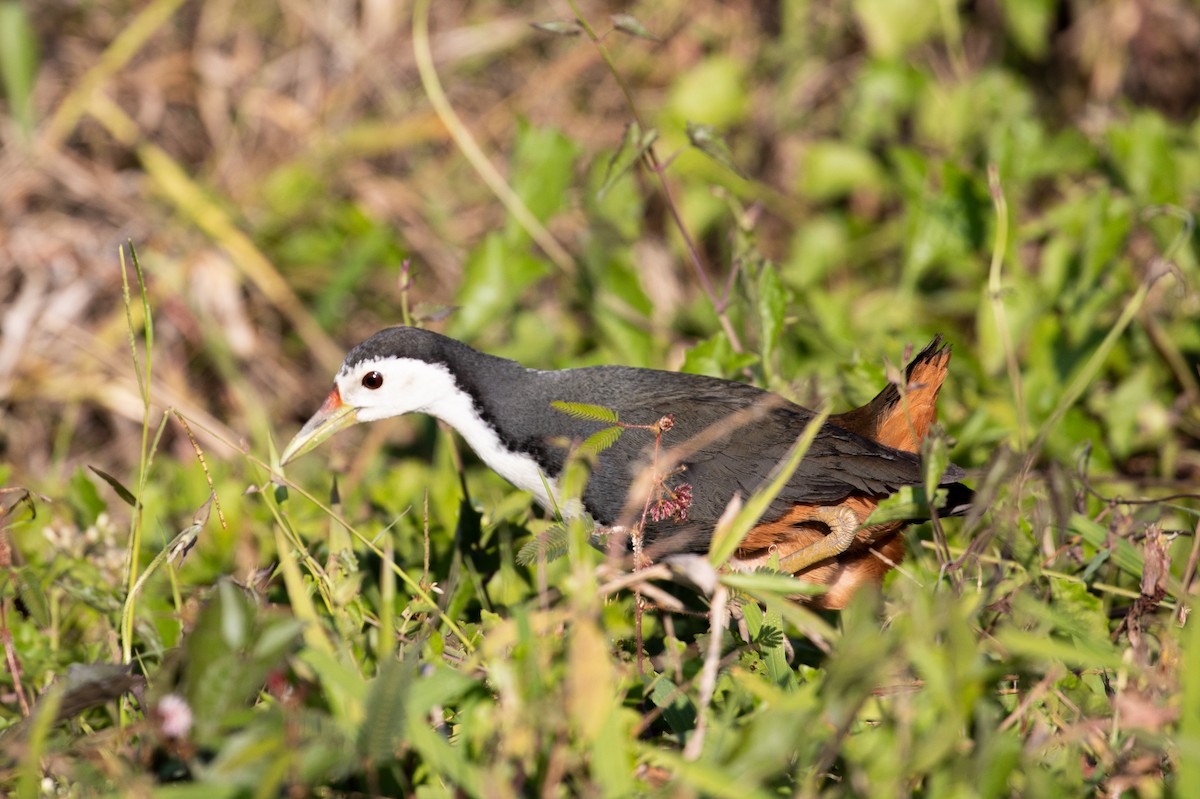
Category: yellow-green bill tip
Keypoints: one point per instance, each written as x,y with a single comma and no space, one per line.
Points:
334,415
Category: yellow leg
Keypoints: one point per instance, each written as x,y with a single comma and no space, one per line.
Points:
843,524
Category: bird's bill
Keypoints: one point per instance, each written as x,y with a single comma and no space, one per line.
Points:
334,415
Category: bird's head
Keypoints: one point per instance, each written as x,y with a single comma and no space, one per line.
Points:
390,374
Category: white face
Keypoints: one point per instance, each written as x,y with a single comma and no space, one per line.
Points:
386,387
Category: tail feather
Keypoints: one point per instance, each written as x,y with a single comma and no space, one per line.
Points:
901,419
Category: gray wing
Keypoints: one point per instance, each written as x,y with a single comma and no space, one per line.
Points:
838,463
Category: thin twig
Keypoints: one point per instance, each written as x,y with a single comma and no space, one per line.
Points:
212,489
471,149
1039,690
658,168
718,616
1189,575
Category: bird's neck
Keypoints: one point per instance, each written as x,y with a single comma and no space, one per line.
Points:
481,400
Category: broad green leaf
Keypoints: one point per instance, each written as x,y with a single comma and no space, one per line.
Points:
1127,557
438,686
705,776
831,169
448,762
712,92
613,758
772,309
716,358
766,630
892,27
494,278
543,171
42,723
84,499
1029,23
677,706
1037,646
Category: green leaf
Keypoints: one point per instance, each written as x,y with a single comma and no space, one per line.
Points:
36,743
383,728
543,172
729,533
1188,739
582,410
627,23
558,27
1029,23
124,493
935,458
1124,554
711,93
84,499
677,707
550,545
447,762
772,309
18,62
715,357
832,169
769,582
437,686
634,145
601,440
766,631
31,594
1037,646
706,139
910,503
496,274
891,27
227,656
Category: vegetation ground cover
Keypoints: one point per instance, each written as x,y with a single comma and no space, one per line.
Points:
791,193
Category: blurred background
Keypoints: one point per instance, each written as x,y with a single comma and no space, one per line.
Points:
790,192
276,165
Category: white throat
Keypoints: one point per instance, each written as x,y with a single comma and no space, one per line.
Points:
416,386
457,409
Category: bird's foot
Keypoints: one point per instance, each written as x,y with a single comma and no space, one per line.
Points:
843,525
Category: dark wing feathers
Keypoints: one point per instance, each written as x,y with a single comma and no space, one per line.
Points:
838,464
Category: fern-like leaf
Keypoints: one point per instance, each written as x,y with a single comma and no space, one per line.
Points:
582,410
550,545
601,440
383,726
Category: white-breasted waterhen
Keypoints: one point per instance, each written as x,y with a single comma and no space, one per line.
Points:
505,413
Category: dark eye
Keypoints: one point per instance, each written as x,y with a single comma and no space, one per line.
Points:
372,380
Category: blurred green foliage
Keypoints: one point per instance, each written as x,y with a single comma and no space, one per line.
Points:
997,663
